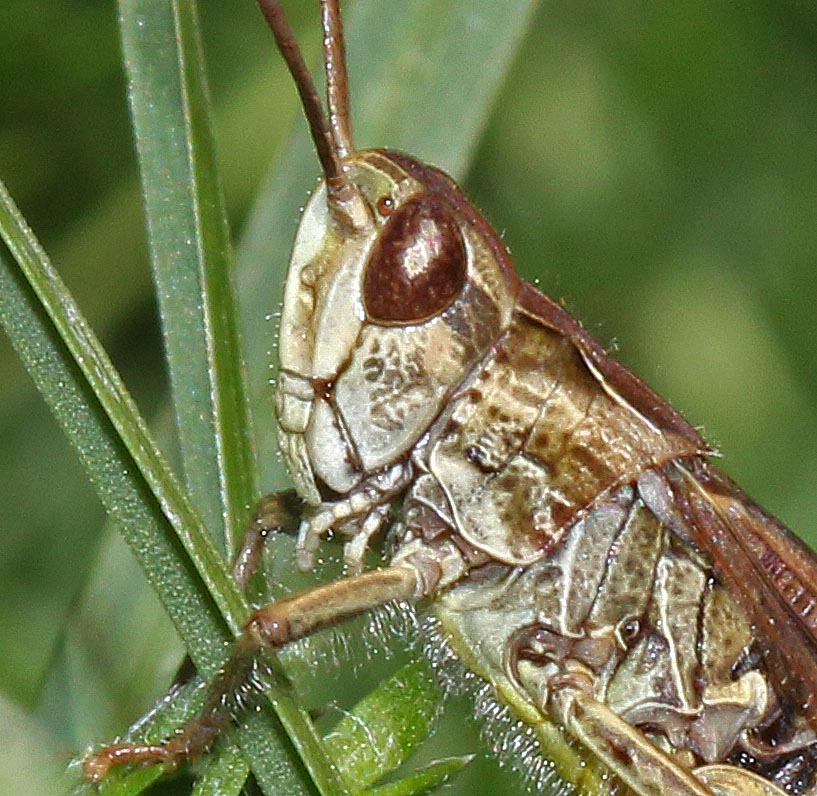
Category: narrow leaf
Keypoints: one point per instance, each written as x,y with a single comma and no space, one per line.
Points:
386,726
131,783
224,774
178,706
423,21
120,421
224,770
191,256
425,779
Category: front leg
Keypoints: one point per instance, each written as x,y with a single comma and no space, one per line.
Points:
270,628
279,512
357,516
635,759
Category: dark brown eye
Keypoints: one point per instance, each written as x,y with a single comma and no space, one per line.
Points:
418,264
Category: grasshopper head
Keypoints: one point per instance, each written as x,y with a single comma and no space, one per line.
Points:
382,322
397,287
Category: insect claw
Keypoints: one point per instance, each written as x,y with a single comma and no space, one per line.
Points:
309,538
365,509
355,549
311,532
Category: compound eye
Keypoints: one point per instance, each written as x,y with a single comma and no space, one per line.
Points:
418,264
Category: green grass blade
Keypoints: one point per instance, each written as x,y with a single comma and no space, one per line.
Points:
131,784
386,726
223,775
106,671
99,416
425,780
114,401
412,71
107,461
223,765
191,256
425,20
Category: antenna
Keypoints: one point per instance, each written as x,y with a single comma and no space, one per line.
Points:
310,101
337,77
333,139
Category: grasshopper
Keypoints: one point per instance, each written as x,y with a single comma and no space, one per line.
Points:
563,523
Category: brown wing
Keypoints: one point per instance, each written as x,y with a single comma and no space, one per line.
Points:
771,573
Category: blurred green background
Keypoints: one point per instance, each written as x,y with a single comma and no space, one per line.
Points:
654,164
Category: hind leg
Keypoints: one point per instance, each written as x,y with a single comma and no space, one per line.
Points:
646,769
632,756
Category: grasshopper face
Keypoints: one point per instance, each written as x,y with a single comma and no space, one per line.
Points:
383,322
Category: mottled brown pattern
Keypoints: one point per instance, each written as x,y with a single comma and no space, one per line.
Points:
661,415
545,439
726,636
557,512
624,597
631,562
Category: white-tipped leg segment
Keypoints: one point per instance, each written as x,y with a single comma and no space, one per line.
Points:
355,549
309,538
